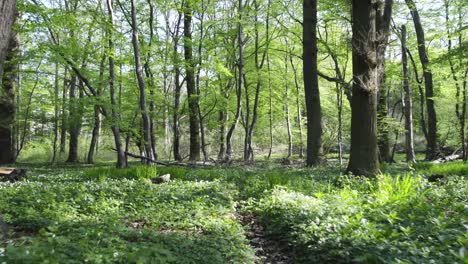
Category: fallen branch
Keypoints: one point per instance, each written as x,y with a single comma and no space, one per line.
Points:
174,163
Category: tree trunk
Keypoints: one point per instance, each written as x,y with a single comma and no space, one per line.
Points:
383,127
56,113
94,135
298,107
408,108
64,116
141,85
240,40
8,15
286,108
194,123
368,39
74,122
432,151
312,93
7,92
270,108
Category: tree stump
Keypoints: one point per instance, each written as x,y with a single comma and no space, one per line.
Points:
161,179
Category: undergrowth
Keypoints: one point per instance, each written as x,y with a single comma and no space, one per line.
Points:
75,214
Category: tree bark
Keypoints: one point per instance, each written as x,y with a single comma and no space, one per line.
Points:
74,122
7,101
408,108
240,40
64,116
432,150
141,85
56,113
312,93
367,42
194,123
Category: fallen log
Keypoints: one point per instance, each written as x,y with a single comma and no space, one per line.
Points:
448,158
173,163
11,174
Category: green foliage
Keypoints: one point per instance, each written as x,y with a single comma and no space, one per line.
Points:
401,219
135,172
105,215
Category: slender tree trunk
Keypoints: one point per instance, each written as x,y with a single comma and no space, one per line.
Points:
286,109
7,93
64,116
312,93
298,108
142,89
270,109
94,135
432,151
408,107
460,104
339,106
368,41
240,39
121,158
56,113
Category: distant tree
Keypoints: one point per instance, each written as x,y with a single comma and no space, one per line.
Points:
432,149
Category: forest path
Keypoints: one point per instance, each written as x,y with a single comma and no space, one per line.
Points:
267,249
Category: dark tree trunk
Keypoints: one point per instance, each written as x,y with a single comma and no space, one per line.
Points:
408,107
432,151
190,82
7,93
94,135
74,122
141,85
369,38
312,93
286,108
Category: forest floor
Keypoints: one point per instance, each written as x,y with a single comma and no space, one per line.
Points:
259,214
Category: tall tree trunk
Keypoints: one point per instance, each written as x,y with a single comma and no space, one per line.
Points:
369,38
74,122
460,106
339,106
240,40
286,108
383,136
121,158
56,113
270,108
141,85
8,15
432,151
194,123
408,107
312,93
298,107
64,116
7,92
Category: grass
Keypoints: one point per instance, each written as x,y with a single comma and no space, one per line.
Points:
75,214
